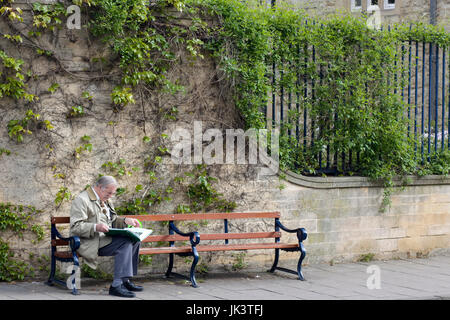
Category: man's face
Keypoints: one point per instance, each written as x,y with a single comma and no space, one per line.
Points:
107,192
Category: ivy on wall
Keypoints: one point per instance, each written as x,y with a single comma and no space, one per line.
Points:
18,219
144,47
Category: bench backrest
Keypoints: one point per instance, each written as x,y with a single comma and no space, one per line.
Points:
188,217
225,216
205,216
55,242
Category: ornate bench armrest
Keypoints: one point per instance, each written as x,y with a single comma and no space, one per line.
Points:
74,241
194,237
301,232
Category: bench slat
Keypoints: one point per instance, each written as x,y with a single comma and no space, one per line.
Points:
64,254
247,246
187,217
59,242
215,236
56,220
223,247
204,216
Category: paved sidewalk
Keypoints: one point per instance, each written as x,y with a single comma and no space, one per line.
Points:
405,279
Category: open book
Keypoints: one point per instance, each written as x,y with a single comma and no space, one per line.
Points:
135,234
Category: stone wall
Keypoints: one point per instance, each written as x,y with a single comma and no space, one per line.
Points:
342,215
345,219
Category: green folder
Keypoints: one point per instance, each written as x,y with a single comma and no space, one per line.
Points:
135,234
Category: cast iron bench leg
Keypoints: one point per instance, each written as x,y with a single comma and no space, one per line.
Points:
76,266
275,261
51,277
300,260
194,264
170,267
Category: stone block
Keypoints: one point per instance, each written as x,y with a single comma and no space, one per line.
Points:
386,245
309,224
397,233
437,230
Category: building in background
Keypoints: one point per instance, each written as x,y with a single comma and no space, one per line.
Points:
436,12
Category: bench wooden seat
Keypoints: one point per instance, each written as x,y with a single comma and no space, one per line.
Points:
64,255
231,240
220,247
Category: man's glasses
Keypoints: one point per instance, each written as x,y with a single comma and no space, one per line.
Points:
109,193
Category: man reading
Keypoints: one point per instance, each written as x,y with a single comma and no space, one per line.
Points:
91,216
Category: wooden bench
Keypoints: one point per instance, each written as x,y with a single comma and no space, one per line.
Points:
176,236
230,239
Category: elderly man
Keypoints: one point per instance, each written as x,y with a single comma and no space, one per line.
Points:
91,216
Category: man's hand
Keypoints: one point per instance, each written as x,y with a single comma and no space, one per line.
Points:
101,227
132,222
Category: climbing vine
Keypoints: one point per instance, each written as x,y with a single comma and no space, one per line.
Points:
12,78
143,48
17,128
16,218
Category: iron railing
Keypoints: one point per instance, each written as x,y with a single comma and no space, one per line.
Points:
424,87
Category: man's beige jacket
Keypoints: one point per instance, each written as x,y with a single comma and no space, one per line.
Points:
84,214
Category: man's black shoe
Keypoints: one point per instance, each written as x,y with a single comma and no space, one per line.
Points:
121,291
131,286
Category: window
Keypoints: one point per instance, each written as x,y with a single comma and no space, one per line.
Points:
389,4
372,5
356,5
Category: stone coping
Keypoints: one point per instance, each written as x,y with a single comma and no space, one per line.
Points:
361,182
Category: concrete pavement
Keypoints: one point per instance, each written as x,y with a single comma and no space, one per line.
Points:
404,279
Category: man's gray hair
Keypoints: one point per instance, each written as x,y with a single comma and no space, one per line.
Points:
104,181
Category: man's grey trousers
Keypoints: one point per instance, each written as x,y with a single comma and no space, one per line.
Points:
126,256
